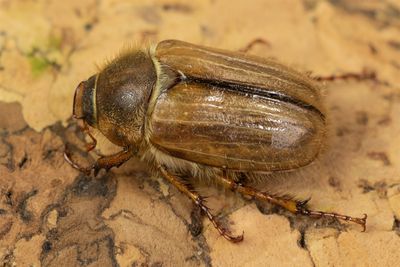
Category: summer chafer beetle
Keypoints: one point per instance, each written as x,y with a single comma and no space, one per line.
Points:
194,111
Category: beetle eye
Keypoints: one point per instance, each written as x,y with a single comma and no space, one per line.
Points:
84,102
78,109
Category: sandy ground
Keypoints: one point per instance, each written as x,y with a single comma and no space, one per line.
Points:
52,215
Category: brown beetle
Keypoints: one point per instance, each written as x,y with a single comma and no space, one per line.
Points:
193,111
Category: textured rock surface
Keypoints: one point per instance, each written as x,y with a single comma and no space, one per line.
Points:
52,215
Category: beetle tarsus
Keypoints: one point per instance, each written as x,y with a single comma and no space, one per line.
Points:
222,231
68,158
302,209
199,201
296,207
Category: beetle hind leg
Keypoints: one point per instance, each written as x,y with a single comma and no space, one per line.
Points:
302,209
200,202
294,206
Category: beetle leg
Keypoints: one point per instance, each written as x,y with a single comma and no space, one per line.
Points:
92,145
67,157
302,209
85,128
250,45
114,160
104,162
364,75
199,201
297,207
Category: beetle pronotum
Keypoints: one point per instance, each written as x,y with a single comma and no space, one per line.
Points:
193,111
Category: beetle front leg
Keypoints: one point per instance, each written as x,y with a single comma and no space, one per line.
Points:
115,160
199,201
296,207
85,129
104,162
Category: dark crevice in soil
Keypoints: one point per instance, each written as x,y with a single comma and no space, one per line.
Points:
25,214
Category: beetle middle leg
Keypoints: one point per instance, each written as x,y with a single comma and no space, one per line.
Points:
199,201
296,207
